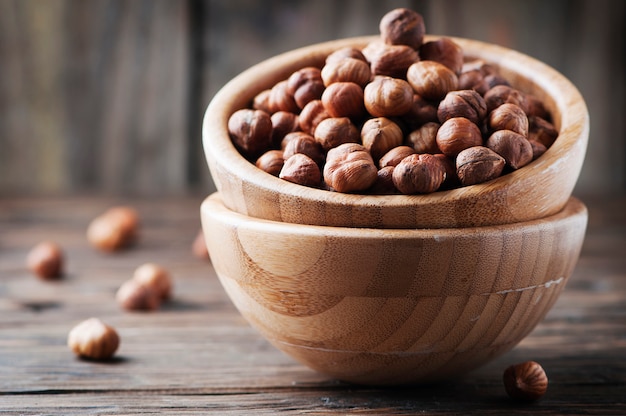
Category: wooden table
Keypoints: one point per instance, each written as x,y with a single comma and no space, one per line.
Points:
196,355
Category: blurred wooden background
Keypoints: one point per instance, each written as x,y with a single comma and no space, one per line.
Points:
108,95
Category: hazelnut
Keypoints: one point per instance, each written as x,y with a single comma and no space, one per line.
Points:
250,131
93,339
402,26
115,229
395,156
457,134
300,142
449,165
513,147
462,103
271,162
419,173
478,164
379,135
346,70
311,115
155,276
445,51
501,94
45,260
422,111
261,101
283,122
388,97
538,148
345,52
525,381
473,80
535,107
344,99
389,60
334,131
424,139
509,117
302,170
305,85
384,182
431,79
281,99
198,247
135,296
349,168
541,130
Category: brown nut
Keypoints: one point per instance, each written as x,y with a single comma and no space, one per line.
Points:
535,107
395,156
250,131
115,229
93,339
349,168
345,52
473,80
346,70
541,130
384,182
462,103
283,122
445,51
155,276
379,135
334,131
302,170
344,99
422,111
538,148
478,164
431,79
45,260
402,26
502,94
271,162
512,146
457,134
281,99
388,97
424,139
389,60
311,115
525,381
305,85
300,142
422,173
135,296
509,117
261,101
451,181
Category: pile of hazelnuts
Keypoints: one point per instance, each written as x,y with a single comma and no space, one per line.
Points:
399,115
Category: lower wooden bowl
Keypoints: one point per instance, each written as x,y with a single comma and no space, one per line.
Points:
380,306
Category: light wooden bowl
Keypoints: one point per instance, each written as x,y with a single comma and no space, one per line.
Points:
378,306
538,190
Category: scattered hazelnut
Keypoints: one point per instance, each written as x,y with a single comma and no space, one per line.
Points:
344,99
379,135
478,164
419,173
525,381
349,167
513,147
115,229
301,169
45,260
457,134
402,26
388,97
250,131
135,296
93,339
156,276
334,131
431,79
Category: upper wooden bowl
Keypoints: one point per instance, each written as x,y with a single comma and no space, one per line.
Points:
535,191
380,306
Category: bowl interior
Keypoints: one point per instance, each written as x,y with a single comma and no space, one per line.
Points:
539,189
393,306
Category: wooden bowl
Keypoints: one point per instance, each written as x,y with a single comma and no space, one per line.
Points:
378,306
535,191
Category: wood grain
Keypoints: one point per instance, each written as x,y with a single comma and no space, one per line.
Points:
198,356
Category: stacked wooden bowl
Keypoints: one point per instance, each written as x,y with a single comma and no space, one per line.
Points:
396,289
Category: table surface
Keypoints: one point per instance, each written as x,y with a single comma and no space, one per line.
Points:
197,355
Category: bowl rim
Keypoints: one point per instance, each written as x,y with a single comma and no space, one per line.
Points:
566,152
